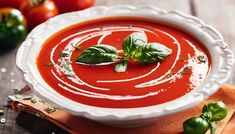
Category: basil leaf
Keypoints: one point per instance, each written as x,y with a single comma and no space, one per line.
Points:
98,54
153,52
121,67
133,44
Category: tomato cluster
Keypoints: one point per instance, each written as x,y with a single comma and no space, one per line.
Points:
35,12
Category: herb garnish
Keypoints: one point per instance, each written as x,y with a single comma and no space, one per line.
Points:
18,95
33,100
50,109
69,74
202,58
187,70
182,59
77,47
134,46
49,64
27,97
169,75
62,54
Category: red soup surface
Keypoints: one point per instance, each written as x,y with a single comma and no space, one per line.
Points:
141,85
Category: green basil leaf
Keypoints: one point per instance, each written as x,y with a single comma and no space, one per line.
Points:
121,67
153,52
133,44
98,54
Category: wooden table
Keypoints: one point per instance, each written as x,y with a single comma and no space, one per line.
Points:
217,13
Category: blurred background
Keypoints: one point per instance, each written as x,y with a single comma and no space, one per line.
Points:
19,17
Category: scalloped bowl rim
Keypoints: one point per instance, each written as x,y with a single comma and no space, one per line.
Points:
211,38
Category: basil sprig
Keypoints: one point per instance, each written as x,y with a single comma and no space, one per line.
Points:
98,54
134,46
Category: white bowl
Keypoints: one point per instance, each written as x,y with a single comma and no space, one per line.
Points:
222,61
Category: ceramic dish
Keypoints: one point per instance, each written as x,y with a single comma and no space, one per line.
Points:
220,70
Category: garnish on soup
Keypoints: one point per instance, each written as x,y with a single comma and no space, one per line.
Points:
202,58
77,47
134,46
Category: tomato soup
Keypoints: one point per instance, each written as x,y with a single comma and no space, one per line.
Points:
142,84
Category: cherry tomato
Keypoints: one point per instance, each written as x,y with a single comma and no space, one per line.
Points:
73,5
11,3
38,11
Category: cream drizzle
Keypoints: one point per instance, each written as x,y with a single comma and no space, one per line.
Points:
102,37
131,79
112,97
98,95
157,80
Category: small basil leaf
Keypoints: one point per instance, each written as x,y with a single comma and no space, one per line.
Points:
133,44
153,52
121,67
98,54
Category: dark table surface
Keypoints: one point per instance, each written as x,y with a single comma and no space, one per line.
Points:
217,13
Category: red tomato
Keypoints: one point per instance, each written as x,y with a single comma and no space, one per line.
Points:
73,5
38,11
11,3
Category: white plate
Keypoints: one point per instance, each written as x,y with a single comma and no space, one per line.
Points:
222,61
